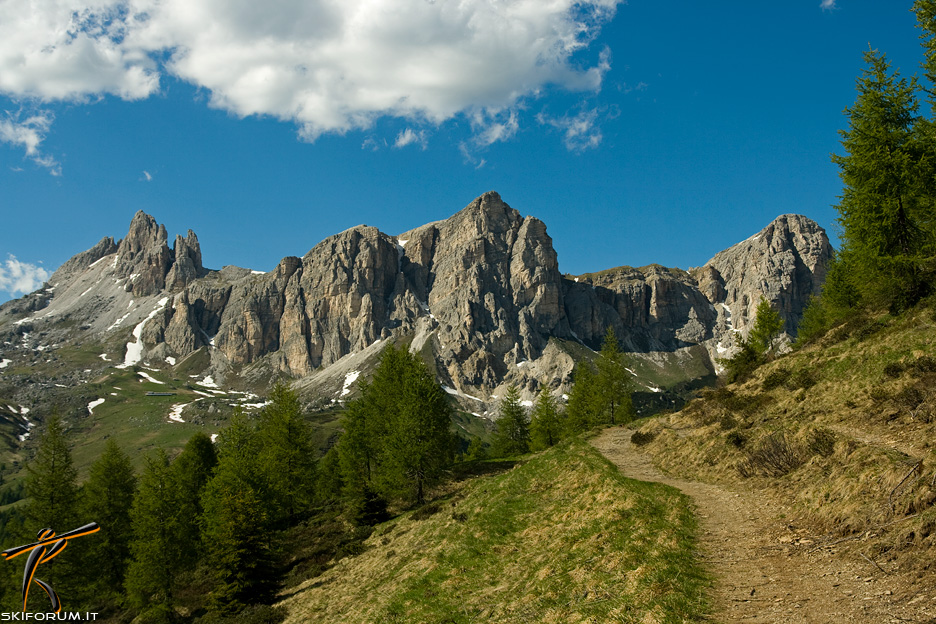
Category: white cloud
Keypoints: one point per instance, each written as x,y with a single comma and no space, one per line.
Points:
580,131
147,176
828,5
410,136
493,127
29,134
21,277
329,66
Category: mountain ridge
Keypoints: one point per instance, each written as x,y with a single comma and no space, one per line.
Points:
480,290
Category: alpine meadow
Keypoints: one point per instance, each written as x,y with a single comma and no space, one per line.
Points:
440,425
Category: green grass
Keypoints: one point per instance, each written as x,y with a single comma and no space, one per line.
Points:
560,537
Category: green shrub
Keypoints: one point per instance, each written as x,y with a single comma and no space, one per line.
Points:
804,378
821,442
639,438
736,439
776,378
773,456
893,370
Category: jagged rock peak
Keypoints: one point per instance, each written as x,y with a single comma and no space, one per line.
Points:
187,264
785,262
489,214
148,265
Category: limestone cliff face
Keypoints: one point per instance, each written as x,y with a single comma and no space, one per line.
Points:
480,290
147,264
785,263
489,280
651,309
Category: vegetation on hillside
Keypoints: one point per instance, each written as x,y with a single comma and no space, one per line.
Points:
559,537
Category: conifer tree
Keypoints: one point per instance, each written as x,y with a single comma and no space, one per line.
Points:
287,454
613,387
52,492
477,450
193,469
157,550
513,433
888,188
926,21
396,439
237,529
767,328
583,409
107,498
545,422
419,444
328,477
239,539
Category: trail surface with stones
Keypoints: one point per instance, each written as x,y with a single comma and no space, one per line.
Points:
764,569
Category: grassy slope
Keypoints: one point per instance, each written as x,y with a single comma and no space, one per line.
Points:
849,417
562,537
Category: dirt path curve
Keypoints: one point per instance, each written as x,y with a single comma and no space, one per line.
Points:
764,569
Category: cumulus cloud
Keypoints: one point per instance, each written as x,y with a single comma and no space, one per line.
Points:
29,133
20,277
580,131
329,66
828,5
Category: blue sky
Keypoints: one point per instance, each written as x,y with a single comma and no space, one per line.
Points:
642,132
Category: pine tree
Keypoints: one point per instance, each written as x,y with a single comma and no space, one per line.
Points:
237,521
239,540
52,492
545,422
767,328
419,443
287,454
158,553
583,409
886,199
613,387
513,433
107,498
193,469
397,438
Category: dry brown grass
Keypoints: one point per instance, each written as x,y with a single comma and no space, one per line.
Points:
851,425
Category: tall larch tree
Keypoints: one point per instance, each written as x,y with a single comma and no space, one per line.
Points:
613,383
886,189
107,498
52,493
513,429
157,550
287,454
546,426
237,528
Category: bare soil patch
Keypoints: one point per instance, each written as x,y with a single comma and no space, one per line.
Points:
766,569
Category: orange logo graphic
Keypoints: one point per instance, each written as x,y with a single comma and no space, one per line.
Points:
47,547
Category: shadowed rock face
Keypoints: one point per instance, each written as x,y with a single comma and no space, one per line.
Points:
482,289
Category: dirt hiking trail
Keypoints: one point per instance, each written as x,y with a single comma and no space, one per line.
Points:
766,570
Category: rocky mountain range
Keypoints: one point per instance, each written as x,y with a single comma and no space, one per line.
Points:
479,293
